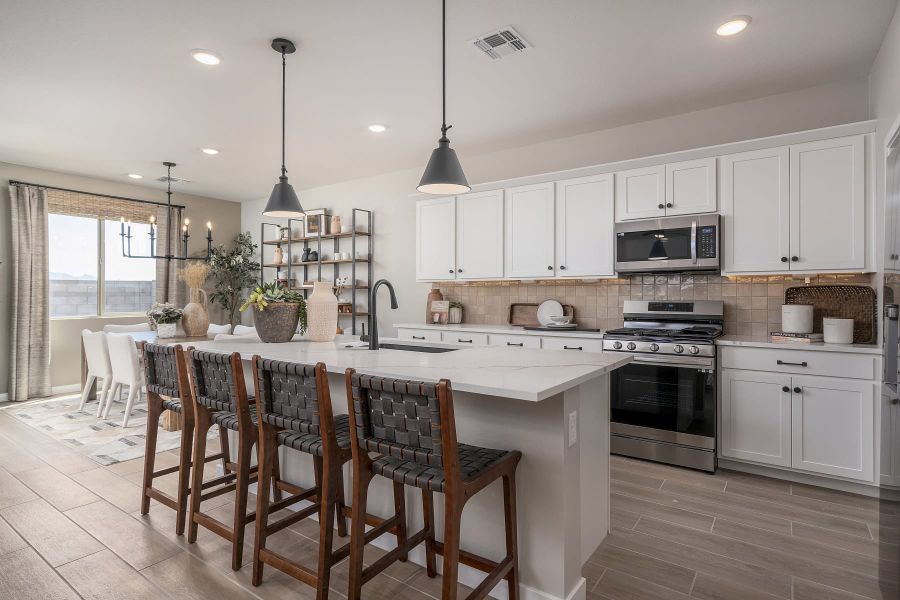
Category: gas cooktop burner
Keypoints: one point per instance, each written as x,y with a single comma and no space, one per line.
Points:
688,329
689,333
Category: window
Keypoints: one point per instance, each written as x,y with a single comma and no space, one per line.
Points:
88,274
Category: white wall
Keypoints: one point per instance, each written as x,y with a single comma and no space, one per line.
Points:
389,194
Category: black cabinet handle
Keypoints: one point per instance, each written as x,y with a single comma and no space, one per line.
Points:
785,389
573,348
784,259
668,205
451,270
520,344
661,206
795,258
562,267
793,364
550,267
464,341
798,390
418,337
459,270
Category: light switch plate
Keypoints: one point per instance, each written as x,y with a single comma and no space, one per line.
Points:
573,428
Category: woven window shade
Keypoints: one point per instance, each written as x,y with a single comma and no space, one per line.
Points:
78,204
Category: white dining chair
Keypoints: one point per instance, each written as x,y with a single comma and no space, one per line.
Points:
126,328
99,369
217,329
126,370
244,330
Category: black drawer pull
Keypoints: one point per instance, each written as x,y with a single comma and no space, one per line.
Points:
797,390
520,344
785,388
793,364
418,337
464,341
573,348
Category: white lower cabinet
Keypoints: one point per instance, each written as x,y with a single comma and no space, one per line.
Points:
572,343
515,341
756,416
422,335
464,337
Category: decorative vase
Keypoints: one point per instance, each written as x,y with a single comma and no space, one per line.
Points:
321,313
336,224
195,320
279,255
305,257
166,330
434,295
278,322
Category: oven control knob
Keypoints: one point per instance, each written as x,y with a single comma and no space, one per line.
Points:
617,345
632,345
678,348
694,350
654,347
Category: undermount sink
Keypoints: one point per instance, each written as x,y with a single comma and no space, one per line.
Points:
414,348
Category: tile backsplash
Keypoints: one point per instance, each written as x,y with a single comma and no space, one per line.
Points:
752,304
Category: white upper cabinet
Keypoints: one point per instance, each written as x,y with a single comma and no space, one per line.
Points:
641,193
529,231
755,211
436,239
828,205
584,227
691,187
479,235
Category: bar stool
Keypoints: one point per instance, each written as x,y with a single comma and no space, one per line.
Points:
167,384
412,426
294,410
219,396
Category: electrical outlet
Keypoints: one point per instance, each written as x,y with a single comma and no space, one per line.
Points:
573,428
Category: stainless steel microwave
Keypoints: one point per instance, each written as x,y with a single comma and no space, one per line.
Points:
688,243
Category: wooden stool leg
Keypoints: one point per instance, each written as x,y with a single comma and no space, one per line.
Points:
428,517
326,528
154,410
268,448
184,474
240,501
201,427
223,445
509,513
452,515
276,476
340,506
362,476
400,511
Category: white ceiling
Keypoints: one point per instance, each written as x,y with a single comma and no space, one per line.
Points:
108,87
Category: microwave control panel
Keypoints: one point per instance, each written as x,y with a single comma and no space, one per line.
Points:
706,242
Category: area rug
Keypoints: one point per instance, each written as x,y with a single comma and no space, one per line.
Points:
104,441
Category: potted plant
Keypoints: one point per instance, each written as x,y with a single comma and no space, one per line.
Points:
276,312
165,317
231,271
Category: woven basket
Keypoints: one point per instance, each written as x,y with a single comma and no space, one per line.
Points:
857,302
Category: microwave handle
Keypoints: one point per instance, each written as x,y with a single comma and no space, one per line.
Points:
694,241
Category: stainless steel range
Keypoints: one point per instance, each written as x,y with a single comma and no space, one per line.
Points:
664,403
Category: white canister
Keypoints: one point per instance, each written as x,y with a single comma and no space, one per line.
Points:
838,331
797,318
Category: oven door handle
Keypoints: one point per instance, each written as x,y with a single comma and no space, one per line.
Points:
706,363
694,241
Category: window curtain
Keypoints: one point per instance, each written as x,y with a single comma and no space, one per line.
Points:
169,287
29,356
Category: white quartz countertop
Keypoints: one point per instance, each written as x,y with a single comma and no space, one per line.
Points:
519,373
752,342
502,330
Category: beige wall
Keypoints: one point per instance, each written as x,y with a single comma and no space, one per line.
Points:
389,194
64,333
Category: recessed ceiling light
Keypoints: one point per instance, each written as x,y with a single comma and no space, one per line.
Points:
733,26
210,151
135,176
207,57
377,128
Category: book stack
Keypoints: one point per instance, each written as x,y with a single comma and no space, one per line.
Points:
783,337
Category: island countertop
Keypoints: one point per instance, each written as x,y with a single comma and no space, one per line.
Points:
519,373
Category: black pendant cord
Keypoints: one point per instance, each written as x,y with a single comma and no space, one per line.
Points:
283,109
444,126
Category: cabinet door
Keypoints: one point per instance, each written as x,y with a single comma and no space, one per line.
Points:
756,416
833,426
529,231
892,211
435,239
641,193
828,205
479,235
691,187
755,211
585,238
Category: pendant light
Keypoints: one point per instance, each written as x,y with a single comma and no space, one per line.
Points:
283,202
443,175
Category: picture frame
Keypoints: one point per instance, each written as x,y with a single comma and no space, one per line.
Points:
315,220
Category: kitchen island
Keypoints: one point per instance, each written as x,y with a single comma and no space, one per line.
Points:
553,406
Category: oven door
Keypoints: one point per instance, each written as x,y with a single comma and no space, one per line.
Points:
668,400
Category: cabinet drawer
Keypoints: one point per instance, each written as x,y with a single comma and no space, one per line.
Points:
516,341
802,362
567,343
429,335
464,337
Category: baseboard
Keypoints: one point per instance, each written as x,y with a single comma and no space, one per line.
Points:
863,489
65,389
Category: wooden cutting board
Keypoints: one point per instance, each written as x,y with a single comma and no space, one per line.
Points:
525,314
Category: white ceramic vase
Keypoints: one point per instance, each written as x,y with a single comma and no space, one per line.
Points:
321,313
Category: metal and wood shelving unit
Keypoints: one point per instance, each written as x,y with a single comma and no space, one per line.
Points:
360,242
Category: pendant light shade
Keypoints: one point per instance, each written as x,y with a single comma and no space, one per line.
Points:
283,201
444,174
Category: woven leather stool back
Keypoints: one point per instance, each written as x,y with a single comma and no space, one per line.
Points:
161,370
213,380
288,395
398,418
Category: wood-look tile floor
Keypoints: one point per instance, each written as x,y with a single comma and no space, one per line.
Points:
70,528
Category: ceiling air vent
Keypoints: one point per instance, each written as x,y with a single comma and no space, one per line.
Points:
500,43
